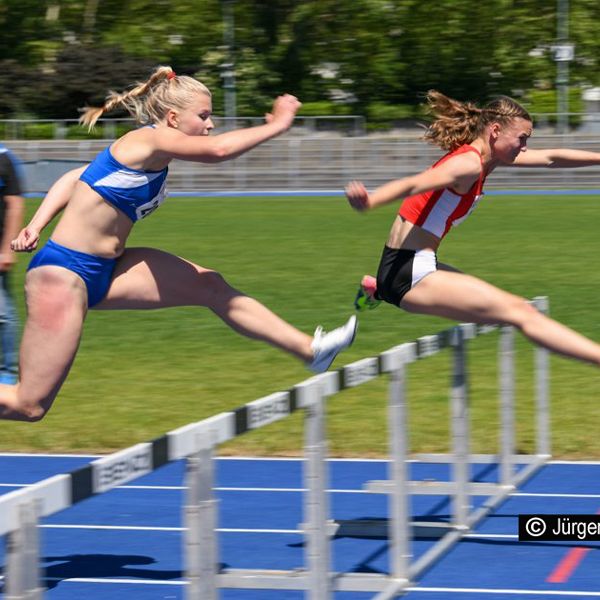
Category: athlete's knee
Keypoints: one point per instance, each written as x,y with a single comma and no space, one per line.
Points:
32,412
18,408
215,288
521,313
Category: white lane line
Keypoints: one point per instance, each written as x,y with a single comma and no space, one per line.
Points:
36,455
166,529
426,590
515,592
234,530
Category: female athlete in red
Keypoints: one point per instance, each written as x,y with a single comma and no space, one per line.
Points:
477,140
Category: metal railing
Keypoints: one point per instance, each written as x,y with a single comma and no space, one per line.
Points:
109,129
309,163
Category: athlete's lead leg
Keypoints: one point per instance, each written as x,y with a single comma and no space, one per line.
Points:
147,278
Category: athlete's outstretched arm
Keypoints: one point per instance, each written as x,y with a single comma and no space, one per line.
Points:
457,172
556,158
225,146
55,200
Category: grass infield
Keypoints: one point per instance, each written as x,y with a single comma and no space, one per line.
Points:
140,374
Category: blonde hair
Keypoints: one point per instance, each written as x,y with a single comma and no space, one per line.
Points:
457,123
149,101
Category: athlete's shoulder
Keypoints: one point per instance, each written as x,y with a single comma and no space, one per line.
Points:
462,161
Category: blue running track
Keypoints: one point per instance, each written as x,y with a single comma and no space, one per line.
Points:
127,543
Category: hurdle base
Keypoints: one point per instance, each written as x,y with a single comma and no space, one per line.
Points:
299,580
478,459
439,488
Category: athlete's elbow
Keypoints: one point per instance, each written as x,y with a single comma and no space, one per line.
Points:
409,186
220,152
215,153
205,158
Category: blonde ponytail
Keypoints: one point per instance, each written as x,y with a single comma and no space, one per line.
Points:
149,101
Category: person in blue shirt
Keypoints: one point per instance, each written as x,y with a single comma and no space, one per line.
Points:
12,208
86,263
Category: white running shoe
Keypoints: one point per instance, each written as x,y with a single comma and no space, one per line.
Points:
326,346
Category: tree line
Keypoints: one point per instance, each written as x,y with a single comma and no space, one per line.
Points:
369,57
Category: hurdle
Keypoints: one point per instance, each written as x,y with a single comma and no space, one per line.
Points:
461,489
21,510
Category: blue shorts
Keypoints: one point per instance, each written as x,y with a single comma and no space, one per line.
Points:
95,271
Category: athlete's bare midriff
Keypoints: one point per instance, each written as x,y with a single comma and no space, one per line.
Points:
90,224
408,236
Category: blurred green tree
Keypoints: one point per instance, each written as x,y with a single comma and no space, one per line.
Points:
85,73
360,56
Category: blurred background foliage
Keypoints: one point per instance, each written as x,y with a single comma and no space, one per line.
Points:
368,57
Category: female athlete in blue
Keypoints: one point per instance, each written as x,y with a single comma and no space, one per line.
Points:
85,264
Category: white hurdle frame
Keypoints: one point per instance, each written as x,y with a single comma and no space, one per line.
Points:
21,510
464,519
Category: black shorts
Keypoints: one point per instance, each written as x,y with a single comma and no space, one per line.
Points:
400,270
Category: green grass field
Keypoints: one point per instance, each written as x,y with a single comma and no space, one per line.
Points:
140,374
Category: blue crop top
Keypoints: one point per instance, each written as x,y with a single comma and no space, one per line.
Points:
136,193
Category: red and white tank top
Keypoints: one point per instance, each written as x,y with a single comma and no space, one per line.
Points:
439,210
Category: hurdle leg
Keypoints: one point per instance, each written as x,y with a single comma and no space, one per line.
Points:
507,408
542,389
460,429
316,523
399,526
201,550
22,578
